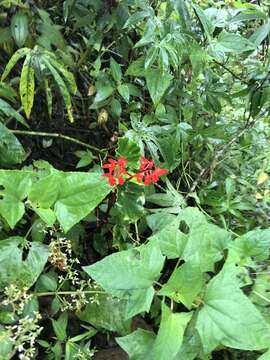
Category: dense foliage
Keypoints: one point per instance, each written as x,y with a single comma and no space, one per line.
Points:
134,181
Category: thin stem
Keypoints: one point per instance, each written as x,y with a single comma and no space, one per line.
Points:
53,293
59,136
261,296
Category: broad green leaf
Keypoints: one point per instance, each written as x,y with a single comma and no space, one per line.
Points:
170,239
14,187
79,194
13,61
151,57
138,344
157,83
265,356
170,334
15,270
9,111
229,42
206,245
19,28
6,344
260,33
132,273
123,90
130,202
103,92
45,191
229,318
136,68
184,284
27,86
107,314
184,17
62,86
253,244
115,70
11,150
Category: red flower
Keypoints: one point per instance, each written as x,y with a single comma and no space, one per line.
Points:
116,169
148,172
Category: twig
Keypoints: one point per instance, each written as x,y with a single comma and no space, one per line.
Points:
231,72
59,136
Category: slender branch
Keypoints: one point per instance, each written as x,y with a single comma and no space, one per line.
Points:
53,293
231,72
261,296
59,136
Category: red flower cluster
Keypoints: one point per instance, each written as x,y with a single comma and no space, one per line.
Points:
148,172
117,168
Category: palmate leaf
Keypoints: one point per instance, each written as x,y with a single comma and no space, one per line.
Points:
13,61
229,318
62,86
27,85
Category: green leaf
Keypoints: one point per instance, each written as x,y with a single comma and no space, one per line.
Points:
132,273
60,325
229,42
138,344
157,83
15,270
228,317
11,150
123,90
15,186
265,356
170,239
19,28
184,284
260,34
207,25
13,61
62,87
136,68
138,16
9,111
103,92
115,70
130,202
255,244
27,86
79,194
107,314
116,108
151,56
170,334
130,150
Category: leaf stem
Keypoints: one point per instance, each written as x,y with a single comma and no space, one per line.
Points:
53,293
59,136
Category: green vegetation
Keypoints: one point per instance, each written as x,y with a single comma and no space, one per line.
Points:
166,257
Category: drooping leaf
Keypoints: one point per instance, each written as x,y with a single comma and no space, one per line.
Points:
9,111
115,70
13,61
19,28
229,318
62,87
260,33
27,86
157,83
123,90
